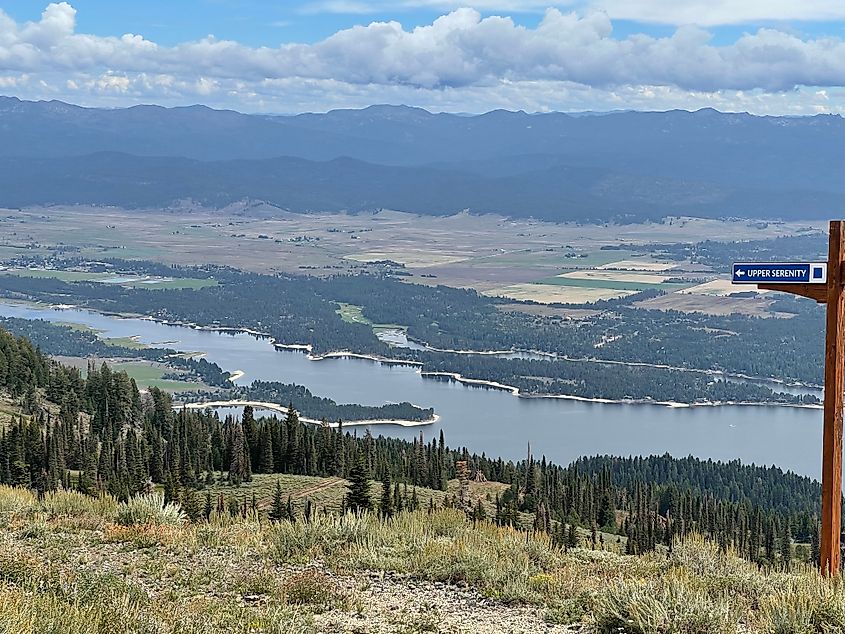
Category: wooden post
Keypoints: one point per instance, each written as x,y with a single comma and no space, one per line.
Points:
834,387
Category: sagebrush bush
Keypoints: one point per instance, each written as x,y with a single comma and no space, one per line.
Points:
15,503
76,504
668,605
313,588
150,509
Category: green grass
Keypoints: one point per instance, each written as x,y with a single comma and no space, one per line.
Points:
352,314
125,342
83,276
148,375
78,327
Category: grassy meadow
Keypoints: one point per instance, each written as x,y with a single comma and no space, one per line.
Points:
78,565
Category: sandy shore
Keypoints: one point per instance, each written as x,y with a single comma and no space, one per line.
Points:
284,410
571,397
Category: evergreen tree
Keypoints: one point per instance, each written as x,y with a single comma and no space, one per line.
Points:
358,495
265,450
572,537
786,546
386,505
278,510
207,508
239,467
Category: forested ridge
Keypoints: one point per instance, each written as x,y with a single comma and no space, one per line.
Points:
98,433
303,310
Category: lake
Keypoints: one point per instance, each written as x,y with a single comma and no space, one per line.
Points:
489,420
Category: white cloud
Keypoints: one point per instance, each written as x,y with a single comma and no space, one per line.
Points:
461,58
673,12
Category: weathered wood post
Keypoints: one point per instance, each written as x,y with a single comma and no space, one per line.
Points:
834,387
806,279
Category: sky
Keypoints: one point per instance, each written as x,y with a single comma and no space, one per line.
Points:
782,57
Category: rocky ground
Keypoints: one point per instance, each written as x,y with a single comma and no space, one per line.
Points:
389,603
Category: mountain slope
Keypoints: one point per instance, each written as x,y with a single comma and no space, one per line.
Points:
554,166
557,192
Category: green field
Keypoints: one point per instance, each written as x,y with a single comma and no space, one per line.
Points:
352,314
79,327
125,342
148,375
144,282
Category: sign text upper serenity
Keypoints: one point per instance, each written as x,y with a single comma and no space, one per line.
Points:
780,273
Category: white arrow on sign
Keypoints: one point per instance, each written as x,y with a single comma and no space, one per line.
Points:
740,273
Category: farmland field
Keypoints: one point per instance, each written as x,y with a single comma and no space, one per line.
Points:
557,294
113,278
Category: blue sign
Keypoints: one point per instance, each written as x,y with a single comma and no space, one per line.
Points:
780,273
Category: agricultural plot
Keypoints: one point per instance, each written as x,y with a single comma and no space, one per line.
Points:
721,288
134,281
602,275
639,265
557,294
412,259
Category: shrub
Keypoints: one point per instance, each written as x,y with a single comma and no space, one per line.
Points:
15,503
669,605
313,588
76,504
150,509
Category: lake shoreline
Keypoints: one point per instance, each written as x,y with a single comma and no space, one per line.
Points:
311,421
341,354
515,391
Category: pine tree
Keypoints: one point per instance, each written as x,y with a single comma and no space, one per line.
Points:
190,504
572,537
278,511
786,546
208,508
397,499
358,495
386,506
239,468
265,450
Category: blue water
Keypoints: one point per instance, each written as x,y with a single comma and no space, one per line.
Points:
493,421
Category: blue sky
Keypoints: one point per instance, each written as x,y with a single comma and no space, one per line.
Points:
763,56
273,22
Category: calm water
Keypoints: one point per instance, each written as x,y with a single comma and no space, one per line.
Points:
489,420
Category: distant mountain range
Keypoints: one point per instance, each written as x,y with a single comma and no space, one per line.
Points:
625,165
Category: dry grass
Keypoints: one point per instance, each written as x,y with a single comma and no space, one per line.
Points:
553,294
66,566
